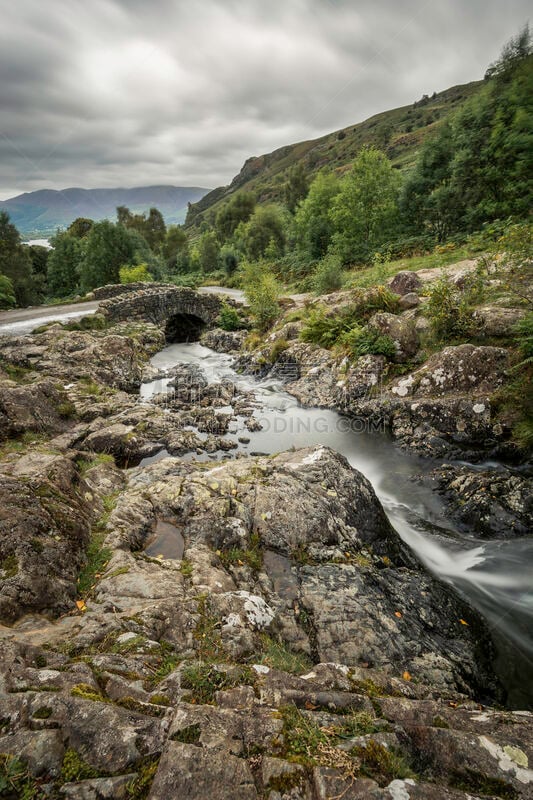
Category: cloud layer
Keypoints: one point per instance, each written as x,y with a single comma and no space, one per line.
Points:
126,93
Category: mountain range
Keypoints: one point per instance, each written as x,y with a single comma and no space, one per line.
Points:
400,133
40,213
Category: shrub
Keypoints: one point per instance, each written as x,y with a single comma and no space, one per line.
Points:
135,274
449,311
328,276
328,329
367,341
191,279
323,329
229,319
262,292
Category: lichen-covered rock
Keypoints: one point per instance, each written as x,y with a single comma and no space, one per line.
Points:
455,370
39,407
493,503
498,321
223,341
404,282
320,587
401,330
45,516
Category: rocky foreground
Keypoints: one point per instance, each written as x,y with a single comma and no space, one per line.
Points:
247,629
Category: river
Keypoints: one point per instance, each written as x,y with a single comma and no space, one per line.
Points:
494,576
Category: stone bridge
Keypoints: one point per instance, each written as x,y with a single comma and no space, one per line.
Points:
183,312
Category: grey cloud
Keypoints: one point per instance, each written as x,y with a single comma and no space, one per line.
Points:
124,92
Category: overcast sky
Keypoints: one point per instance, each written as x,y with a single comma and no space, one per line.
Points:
104,93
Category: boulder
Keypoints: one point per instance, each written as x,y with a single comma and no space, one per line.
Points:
409,300
401,330
457,370
404,282
497,321
493,503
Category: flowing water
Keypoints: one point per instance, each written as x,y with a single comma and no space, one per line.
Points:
495,576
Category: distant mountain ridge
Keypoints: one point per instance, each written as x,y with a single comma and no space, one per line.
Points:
45,210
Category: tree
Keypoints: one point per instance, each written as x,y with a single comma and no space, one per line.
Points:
154,229
176,241
313,225
80,227
238,209
514,52
63,265
7,295
15,262
229,259
366,209
296,187
265,231
428,202
107,248
207,252
39,258
479,167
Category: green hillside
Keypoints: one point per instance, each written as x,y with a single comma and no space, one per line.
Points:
399,133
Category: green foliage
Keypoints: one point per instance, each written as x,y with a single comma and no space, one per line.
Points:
262,292
74,768
107,248
513,254
139,788
367,341
313,223
191,280
252,556
229,318
264,234
381,764
206,253
15,780
278,655
328,329
15,264
449,311
97,557
302,737
204,680
238,209
328,276
63,265
229,259
365,211
135,274
80,227
176,243
7,294
296,187
478,168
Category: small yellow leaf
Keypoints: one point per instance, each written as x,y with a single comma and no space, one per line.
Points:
81,606
463,622
398,614
406,676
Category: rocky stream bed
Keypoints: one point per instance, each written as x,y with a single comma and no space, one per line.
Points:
211,587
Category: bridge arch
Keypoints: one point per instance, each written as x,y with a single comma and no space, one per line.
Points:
183,312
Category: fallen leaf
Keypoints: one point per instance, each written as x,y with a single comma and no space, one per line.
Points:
309,706
398,614
463,622
406,676
81,606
